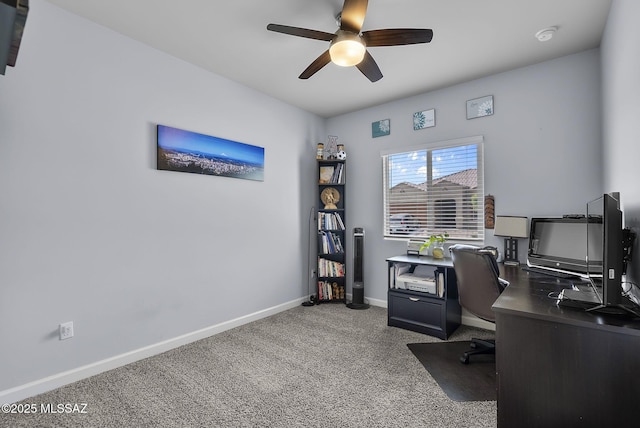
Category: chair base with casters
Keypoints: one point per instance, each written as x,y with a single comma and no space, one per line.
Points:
479,346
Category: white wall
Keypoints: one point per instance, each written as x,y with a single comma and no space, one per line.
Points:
542,147
621,112
91,232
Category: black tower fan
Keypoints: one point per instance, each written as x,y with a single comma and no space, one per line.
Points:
357,302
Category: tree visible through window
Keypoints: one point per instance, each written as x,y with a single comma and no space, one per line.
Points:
435,189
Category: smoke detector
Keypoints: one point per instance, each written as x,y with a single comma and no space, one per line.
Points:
546,34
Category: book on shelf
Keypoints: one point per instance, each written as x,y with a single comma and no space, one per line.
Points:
324,242
338,243
331,243
338,177
392,276
330,291
340,223
441,287
332,174
330,221
330,268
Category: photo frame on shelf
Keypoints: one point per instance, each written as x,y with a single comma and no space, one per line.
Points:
424,119
326,173
381,128
480,107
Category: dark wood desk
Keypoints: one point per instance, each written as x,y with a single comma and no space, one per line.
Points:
559,366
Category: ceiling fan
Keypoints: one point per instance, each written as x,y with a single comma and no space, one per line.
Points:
348,45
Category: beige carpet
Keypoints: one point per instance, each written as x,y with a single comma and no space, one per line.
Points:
322,366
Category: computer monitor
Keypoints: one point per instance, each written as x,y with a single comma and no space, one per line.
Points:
559,244
605,249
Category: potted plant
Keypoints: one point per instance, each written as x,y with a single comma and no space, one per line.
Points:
438,244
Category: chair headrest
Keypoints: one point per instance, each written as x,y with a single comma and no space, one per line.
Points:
490,251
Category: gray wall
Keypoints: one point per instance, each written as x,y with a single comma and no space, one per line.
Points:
621,110
91,232
541,147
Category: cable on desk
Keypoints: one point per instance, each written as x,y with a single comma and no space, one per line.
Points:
552,293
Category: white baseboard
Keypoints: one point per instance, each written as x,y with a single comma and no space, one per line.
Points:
49,383
376,302
369,300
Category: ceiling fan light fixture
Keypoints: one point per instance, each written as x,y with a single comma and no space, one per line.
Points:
347,49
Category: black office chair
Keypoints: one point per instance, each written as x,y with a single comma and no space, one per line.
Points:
478,288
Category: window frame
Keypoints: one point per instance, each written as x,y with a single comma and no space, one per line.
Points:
476,233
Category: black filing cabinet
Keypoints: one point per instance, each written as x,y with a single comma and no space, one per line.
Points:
433,311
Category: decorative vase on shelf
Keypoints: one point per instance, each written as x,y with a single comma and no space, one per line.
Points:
438,245
438,252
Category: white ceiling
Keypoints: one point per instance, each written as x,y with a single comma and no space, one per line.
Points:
472,39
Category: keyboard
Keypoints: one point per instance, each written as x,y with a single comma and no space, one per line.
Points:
548,272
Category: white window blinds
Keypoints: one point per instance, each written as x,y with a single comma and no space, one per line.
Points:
434,189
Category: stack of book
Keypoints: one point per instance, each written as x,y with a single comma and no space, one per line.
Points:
330,268
330,221
331,243
330,291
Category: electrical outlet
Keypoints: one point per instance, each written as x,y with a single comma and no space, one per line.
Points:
66,330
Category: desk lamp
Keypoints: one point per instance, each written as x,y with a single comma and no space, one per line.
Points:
511,227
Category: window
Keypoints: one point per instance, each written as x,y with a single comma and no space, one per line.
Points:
435,189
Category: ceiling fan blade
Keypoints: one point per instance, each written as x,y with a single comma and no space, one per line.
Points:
301,32
397,36
352,16
316,65
369,68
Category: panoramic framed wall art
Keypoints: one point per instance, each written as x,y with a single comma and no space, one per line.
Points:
186,151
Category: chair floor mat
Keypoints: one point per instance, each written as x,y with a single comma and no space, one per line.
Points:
475,381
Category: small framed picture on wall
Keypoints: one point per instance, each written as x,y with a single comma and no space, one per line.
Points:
424,119
381,128
480,107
